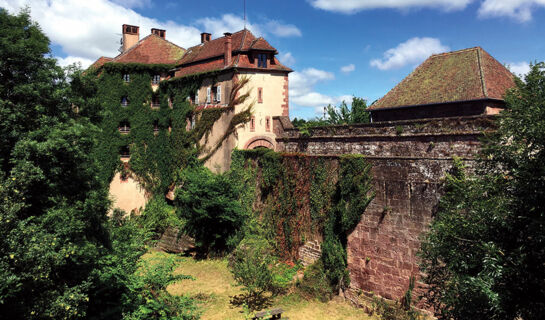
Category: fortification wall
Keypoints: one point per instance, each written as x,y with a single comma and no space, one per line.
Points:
409,160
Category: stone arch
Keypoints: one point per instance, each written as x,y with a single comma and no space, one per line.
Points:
259,141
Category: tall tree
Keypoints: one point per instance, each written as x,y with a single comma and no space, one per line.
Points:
484,257
53,209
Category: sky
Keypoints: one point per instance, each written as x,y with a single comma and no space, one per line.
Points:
337,48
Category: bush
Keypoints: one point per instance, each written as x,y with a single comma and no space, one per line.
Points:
209,204
158,216
315,283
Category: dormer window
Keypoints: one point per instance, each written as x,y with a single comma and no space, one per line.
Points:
155,104
124,101
262,60
156,79
126,77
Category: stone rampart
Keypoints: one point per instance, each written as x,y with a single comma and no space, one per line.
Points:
410,159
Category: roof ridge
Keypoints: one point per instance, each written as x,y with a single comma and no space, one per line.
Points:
455,51
481,73
243,39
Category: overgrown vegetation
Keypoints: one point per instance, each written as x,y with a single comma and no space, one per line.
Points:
303,197
484,256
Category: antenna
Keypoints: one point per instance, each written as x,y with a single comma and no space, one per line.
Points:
244,14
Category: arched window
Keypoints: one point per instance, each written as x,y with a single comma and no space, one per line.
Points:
124,101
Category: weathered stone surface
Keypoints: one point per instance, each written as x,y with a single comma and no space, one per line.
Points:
310,252
410,159
172,242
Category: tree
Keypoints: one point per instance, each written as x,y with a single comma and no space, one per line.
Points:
342,114
484,257
53,209
209,204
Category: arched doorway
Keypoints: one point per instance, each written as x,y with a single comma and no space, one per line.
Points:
260,141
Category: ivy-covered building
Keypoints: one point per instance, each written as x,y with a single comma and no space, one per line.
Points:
162,106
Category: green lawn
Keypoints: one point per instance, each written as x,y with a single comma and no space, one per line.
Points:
214,286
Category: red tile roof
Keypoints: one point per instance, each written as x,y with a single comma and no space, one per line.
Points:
468,74
208,56
151,50
100,62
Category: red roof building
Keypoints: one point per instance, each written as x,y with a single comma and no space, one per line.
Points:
459,83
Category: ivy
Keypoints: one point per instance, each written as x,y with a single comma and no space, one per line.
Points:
158,140
298,196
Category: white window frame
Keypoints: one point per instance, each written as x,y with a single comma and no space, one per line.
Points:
197,97
127,77
218,93
208,94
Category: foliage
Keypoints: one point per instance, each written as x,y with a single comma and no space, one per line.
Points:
300,197
209,204
315,282
336,115
53,209
394,311
158,216
149,284
484,254
352,196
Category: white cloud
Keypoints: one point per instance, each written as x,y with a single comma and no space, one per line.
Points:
87,30
353,6
282,30
520,10
90,29
230,22
134,3
412,51
519,68
349,68
63,62
286,58
227,23
303,94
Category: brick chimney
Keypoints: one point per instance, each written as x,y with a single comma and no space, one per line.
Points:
205,37
131,35
159,32
228,49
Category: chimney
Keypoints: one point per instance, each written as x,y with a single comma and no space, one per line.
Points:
228,49
131,35
205,37
159,32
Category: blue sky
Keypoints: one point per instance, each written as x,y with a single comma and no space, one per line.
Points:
337,48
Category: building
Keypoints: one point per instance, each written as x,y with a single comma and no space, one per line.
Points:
148,94
459,83
227,59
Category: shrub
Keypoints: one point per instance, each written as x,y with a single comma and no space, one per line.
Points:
315,283
209,204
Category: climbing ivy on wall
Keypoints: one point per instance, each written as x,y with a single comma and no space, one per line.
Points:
155,156
298,197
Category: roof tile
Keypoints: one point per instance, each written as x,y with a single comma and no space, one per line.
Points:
468,74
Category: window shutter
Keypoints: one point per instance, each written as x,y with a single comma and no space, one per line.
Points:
208,90
218,94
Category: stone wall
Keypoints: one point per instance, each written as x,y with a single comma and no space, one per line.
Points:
310,252
409,160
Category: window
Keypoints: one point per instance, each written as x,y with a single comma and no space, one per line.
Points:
155,104
268,124
124,101
127,77
156,127
252,124
262,60
259,95
208,93
124,127
124,152
197,97
217,94
156,79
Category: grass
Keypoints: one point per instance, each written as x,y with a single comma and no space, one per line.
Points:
214,286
